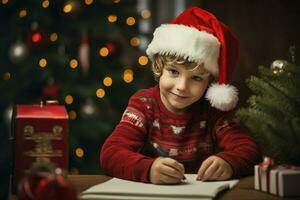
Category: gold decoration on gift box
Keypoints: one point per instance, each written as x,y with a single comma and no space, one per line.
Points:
43,146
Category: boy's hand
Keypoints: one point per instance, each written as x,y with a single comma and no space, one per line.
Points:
166,171
214,168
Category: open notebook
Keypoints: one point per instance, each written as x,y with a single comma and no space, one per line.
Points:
122,189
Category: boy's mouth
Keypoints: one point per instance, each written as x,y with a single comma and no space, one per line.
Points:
179,96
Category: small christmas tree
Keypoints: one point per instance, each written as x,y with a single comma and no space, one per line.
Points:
273,115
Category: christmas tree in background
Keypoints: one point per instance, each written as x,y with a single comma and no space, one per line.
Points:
273,113
83,53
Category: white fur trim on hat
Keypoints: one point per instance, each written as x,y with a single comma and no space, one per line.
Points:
223,97
187,42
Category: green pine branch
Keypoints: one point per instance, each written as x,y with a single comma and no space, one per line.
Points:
272,116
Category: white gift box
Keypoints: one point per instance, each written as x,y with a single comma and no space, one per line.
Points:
282,180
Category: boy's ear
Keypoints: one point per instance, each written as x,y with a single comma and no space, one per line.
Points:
157,75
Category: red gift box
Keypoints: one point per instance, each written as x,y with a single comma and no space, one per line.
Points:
40,135
281,180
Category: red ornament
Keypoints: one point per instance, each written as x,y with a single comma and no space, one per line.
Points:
36,37
50,92
29,185
113,48
45,182
57,188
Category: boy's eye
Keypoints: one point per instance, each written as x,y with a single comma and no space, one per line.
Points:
197,78
173,72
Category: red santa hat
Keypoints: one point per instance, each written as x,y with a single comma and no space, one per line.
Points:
200,37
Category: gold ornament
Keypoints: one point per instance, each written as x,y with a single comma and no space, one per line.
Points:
278,66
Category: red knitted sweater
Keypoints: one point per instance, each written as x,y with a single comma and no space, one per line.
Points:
190,138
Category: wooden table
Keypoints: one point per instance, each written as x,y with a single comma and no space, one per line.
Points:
244,190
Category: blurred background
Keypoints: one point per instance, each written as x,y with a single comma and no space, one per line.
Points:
90,56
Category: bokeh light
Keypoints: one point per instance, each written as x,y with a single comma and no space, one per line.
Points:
130,21
73,63
45,4
42,62
72,115
69,99
23,13
79,152
53,37
143,60
128,75
145,14
107,81
112,18
67,8
88,2
104,52
134,41
6,76
100,93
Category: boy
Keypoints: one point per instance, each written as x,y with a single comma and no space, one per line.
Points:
171,129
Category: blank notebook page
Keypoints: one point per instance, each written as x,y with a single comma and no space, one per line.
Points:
122,189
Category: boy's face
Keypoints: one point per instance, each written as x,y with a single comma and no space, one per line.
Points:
180,86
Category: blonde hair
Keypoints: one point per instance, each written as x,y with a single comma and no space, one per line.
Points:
159,61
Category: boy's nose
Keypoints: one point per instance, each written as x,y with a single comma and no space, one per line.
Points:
181,84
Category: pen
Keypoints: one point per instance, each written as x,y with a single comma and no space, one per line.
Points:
159,150
164,154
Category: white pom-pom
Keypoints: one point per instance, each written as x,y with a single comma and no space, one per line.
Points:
223,97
